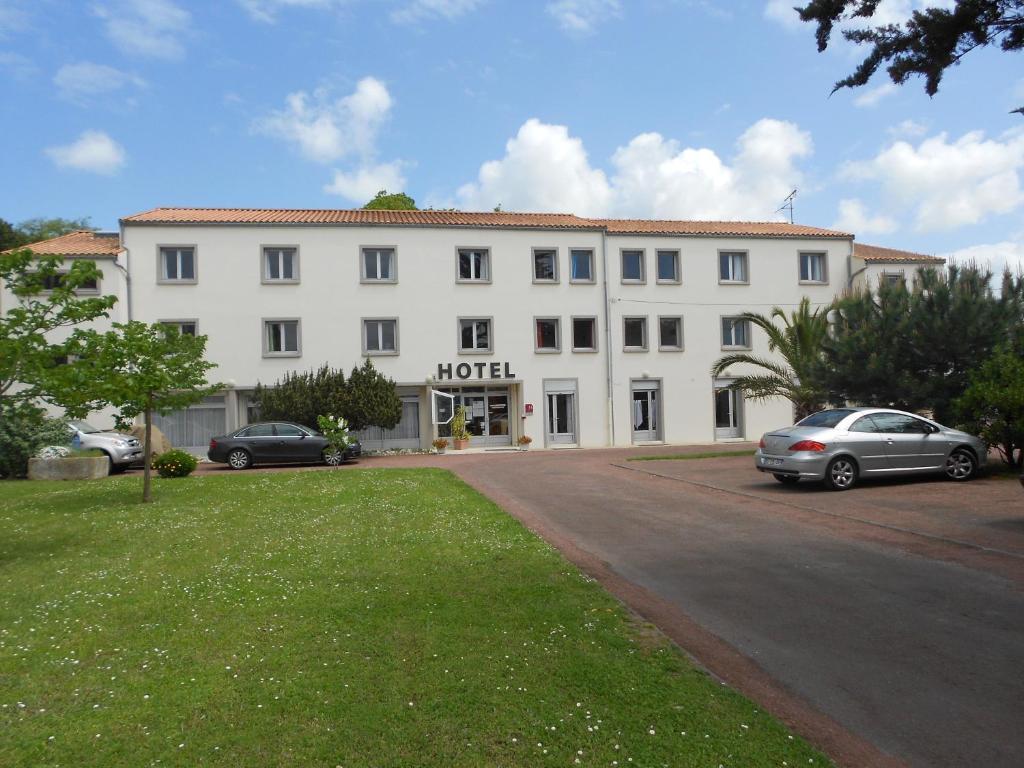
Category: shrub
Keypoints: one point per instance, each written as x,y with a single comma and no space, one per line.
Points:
175,463
24,430
993,404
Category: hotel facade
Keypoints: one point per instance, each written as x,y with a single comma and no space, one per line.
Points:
575,332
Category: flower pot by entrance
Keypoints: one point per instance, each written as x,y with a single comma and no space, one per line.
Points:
460,444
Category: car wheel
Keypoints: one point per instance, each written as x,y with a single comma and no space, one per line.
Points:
239,459
961,465
787,479
841,474
334,457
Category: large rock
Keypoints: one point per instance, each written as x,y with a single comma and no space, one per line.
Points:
71,468
160,442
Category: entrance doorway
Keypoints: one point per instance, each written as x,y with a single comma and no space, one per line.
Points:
728,411
560,412
646,414
486,415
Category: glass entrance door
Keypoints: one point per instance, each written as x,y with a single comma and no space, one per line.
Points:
497,419
487,413
561,418
727,413
646,413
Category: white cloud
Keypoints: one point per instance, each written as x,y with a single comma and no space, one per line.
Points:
872,96
783,12
93,151
17,66
325,129
887,12
13,17
266,10
947,184
81,81
582,17
995,256
155,28
417,10
363,183
855,218
547,169
909,128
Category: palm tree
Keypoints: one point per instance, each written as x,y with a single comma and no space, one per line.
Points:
793,374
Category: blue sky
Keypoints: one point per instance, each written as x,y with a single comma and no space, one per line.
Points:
666,108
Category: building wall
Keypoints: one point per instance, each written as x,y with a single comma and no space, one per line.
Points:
873,272
230,301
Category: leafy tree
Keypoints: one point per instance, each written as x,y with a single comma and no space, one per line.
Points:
10,237
371,399
366,398
143,369
24,429
933,39
34,230
32,361
796,375
399,201
993,404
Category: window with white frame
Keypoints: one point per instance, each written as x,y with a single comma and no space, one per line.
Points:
547,334
183,327
584,334
280,265
475,334
474,265
581,265
55,280
670,334
668,266
177,264
732,267
545,265
281,338
892,278
379,265
735,333
813,268
380,336
634,334
633,266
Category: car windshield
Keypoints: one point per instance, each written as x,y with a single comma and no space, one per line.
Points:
84,427
825,418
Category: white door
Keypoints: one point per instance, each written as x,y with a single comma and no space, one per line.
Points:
561,412
646,415
727,413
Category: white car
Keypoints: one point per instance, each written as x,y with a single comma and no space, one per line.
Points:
122,450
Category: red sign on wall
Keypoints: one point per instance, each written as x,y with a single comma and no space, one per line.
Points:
528,409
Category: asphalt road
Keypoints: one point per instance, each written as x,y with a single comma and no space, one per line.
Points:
896,611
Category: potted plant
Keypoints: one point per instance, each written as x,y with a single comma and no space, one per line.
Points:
460,437
440,444
524,442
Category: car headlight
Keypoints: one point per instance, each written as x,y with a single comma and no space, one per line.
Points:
121,443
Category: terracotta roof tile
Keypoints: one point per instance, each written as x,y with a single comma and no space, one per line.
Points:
82,242
473,219
877,254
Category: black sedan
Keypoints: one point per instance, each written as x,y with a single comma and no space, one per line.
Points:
277,442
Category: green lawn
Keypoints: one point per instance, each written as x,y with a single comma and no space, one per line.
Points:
688,456
354,617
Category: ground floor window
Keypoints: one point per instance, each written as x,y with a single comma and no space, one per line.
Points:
646,411
487,415
728,411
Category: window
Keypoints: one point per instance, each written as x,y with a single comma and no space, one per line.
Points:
813,268
892,278
379,265
474,265
584,334
281,338
475,335
732,267
896,423
633,267
184,327
55,280
177,264
581,264
289,430
829,418
864,424
634,334
735,333
670,334
547,334
380,336
668,266
280,265
545,265
257,430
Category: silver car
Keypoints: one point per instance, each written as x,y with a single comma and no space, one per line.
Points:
841,445
122,450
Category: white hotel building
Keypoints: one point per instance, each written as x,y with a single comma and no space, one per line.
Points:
573,331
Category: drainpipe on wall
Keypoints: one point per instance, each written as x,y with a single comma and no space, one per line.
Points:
608,336
849,268
126,271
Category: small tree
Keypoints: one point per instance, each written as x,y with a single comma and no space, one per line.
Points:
993,404
371,399
399,201
796,375
146,369
33,365
302,396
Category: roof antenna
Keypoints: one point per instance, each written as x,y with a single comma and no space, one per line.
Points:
787,205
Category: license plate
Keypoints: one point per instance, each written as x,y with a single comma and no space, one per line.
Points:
771,462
